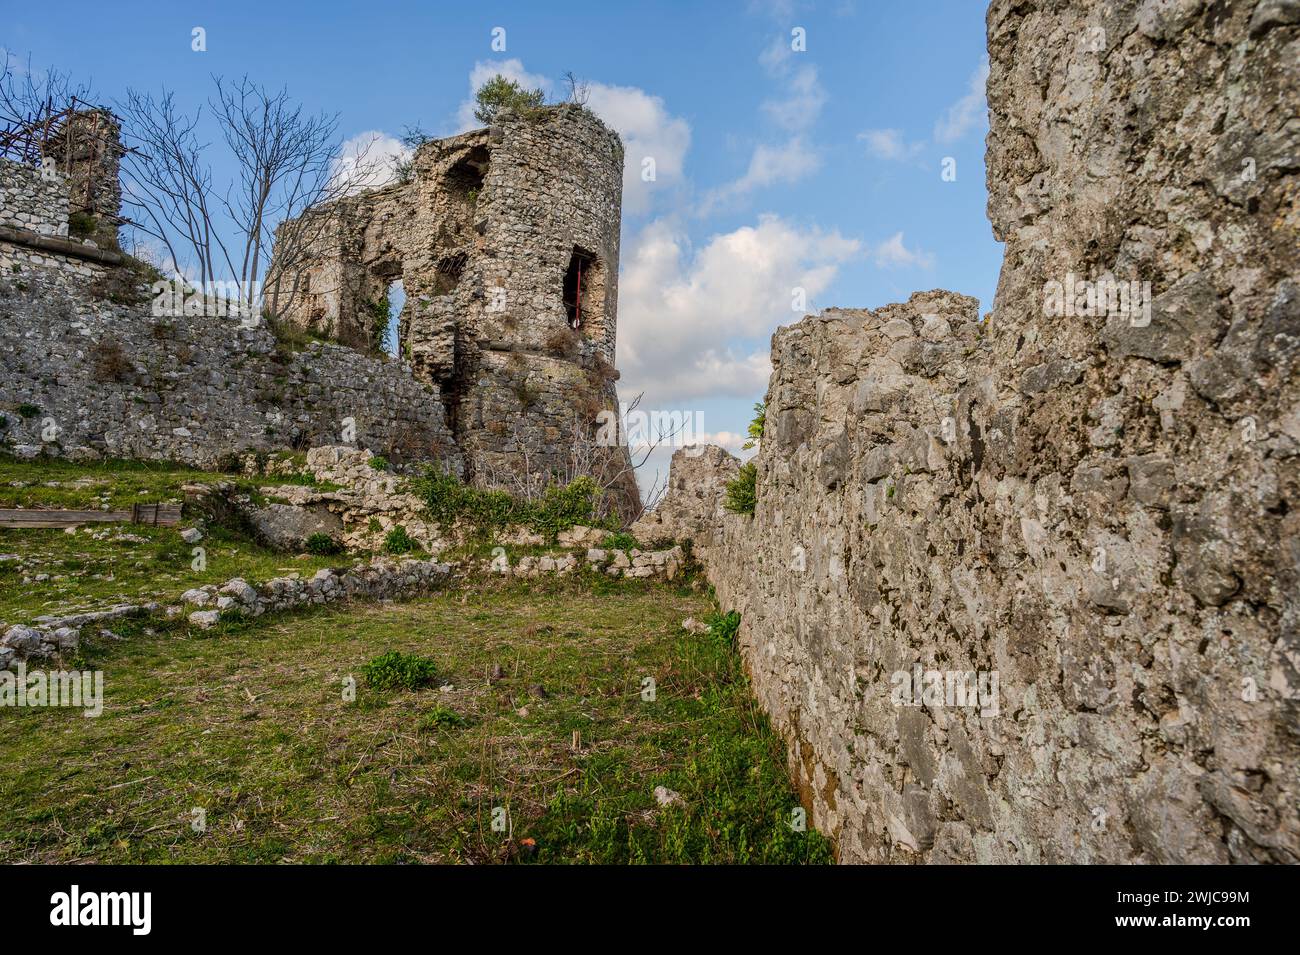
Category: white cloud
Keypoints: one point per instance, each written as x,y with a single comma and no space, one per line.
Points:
648,130
768,166
369,160
802,103
484,70
893,254
696,324
776,57
889,144
968,112
802,96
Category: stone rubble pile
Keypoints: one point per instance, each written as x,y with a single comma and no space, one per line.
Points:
659,564
380,579
50,635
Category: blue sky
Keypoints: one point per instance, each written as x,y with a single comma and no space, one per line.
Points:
775,168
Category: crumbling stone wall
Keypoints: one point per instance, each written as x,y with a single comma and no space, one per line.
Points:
1097,512
115,381
486,236
34,226
492,381
87,150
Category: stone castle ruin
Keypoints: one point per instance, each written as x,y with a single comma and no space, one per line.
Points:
1018,588
506,243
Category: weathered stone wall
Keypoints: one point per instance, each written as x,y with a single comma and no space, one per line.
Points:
32,201
34,232
1094,515
115,381
482,237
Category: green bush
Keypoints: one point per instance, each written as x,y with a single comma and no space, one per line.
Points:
322,545
500,93
27,411
379,463
395,669
723,627
620,541
397,541
560,507
741,489
82,224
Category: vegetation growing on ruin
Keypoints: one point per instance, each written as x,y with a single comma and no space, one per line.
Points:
398,541
742,489
322,545
380,313
558,508
81,224
499,94
756,426
539,714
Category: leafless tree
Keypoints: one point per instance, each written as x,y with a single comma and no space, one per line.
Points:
167,183
587,455
579,90
286,161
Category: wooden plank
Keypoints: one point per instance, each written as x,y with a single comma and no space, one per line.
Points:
163,515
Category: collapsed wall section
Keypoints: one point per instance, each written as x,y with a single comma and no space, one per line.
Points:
1085,513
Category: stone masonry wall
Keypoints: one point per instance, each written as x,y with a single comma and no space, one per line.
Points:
30,200
1091,514
115,381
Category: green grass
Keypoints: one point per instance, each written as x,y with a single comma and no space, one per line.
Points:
254,725
106,564
112,485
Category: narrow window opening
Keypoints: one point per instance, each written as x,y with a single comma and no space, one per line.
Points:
392,344
584,293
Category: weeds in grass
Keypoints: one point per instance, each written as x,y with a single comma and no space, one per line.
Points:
397,670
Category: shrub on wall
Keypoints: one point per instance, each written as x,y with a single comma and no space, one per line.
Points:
397,541
741,490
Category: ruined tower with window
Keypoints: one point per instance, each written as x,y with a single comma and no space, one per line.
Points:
506,243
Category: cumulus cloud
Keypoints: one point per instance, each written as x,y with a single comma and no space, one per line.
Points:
648,131
769,165
695,323
484,70
888,144
369,160
968,112
893,254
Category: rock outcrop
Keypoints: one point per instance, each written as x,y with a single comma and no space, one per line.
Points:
1023,590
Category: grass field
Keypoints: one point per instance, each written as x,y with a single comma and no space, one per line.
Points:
536,718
